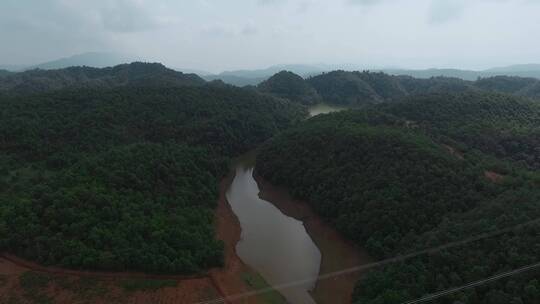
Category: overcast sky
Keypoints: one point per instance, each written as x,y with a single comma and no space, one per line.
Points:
217,35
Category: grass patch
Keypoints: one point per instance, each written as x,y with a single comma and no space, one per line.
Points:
256,282
34,281
33,284
83,288
132,285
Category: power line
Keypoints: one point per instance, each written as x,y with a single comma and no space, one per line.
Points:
398,258
439,294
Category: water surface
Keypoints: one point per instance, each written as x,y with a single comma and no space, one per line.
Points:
274,244
322,108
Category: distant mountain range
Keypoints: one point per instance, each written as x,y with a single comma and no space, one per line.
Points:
90,59
519,70
93,59
335,87
254,77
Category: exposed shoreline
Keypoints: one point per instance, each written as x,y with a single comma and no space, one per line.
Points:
337,252
230,280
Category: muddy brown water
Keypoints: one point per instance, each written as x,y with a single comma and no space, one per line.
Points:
282,239
274,244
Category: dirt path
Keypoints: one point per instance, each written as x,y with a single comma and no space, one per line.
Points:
494,177
95,274
337,252
21,284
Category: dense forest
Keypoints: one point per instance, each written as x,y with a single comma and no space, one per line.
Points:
395,182
366,88
134,74
125,179
336,87
291,86
360,88
500,125
117,169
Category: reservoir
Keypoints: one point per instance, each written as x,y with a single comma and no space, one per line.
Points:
286,242
274,244
322,108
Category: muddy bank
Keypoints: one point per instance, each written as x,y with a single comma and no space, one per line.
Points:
236,278
20,284
275,245
337,252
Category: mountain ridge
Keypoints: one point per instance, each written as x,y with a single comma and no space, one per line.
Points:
136,73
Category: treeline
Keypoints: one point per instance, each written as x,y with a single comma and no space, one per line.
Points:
134,74
124,179
291,86
365,88
337,87
500,125
394,184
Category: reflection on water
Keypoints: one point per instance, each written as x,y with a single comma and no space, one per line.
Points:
275,245
322,108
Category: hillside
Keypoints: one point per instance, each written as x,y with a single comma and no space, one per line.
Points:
344,88
134,74
500,125
4,73
365,88
387,178
124,179
290,86
254,77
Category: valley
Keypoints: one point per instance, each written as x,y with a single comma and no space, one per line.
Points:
269,152
159,184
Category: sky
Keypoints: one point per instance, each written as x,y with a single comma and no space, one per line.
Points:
217,35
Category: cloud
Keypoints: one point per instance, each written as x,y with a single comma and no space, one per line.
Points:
444,11
365,2
249,30
128,16
255,33
269,2
218,30
303,7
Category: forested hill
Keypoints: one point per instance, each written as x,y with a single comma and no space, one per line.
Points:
360,88
529,87
134,74
364,88
4,73
291,86
395,183
503,126
124,178
356,88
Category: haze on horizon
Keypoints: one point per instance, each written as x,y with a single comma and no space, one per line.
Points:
218,35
